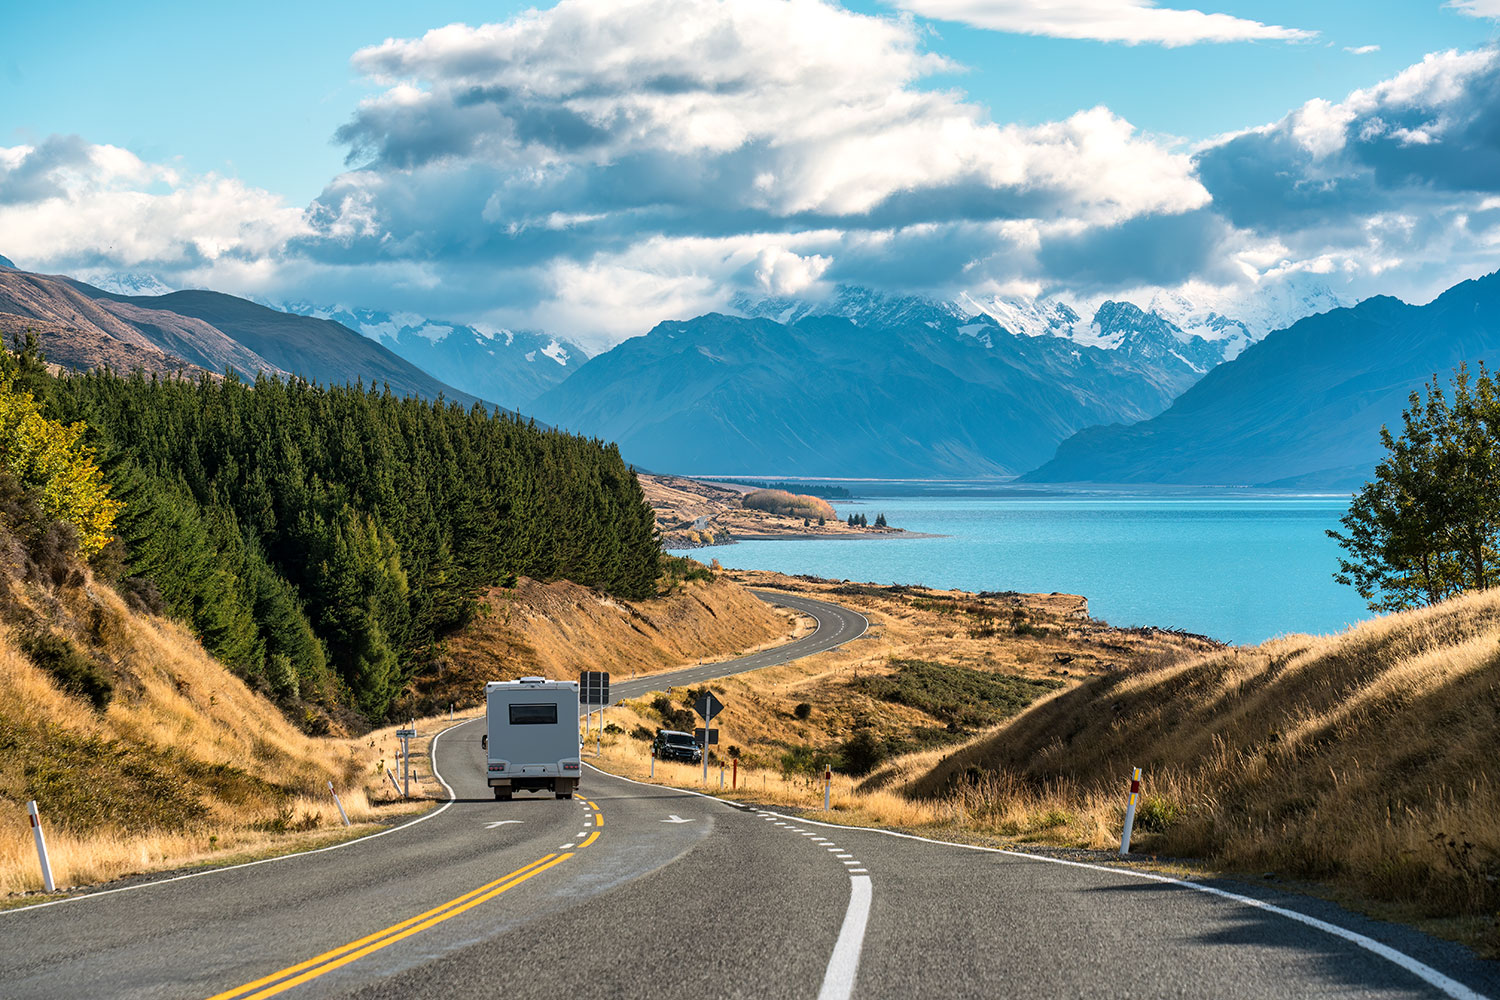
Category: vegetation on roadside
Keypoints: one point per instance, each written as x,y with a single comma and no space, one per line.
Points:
140,749
1363,759
958,697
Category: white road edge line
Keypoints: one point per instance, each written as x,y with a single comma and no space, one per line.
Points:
843,964
265,861
1445,984
1449,986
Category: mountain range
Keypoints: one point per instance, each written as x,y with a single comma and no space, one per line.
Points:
859,383
509,367
1301,408
920,391
208,330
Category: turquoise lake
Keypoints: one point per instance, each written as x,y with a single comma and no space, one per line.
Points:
1239,569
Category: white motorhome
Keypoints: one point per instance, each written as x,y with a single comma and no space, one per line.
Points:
532,738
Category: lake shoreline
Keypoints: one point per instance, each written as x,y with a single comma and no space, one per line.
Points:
1239,569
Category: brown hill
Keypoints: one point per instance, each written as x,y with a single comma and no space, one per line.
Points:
58,300
559,629
85,349
217,332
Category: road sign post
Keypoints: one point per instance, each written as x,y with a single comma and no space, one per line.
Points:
41,846
405,735
1135,794
342,815
593,689
707,706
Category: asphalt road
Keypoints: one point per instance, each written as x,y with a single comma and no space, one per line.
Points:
637,891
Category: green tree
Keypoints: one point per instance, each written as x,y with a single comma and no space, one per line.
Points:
52,459
1428,526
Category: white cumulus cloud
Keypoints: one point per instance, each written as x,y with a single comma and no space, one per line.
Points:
1476,8
1132,22
65,203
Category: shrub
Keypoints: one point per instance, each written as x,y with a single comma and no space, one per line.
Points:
75,672
672,717
642,733
1154,814
861,753
958,696
803,710
796,760
614,729
790,504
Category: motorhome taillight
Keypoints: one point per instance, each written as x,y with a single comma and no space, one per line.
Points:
497,767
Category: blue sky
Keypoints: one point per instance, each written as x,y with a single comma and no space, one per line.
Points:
236,109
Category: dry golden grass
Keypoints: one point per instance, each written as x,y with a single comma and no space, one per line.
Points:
559,629
185,765
1365,760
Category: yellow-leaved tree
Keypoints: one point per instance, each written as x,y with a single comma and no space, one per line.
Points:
51,458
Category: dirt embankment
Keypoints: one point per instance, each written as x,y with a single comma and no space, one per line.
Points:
559,629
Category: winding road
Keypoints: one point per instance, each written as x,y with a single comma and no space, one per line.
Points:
638,891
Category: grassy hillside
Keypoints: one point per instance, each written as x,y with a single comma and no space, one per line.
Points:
141,749
1366,759
559,629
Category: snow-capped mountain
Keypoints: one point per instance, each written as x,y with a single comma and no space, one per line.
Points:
860,306
125,282
1200,332
1244,319
509,367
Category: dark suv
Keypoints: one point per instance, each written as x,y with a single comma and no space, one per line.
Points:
673,745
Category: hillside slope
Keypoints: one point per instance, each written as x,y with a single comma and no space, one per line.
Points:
139,748
824,397
559,629
82,349
1366,757
1302,408
216,332
318,350
68,304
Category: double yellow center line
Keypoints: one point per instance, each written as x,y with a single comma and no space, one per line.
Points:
319,965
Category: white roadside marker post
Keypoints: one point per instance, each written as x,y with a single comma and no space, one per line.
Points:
721,777
342,815
1135,794
653,763
394,783
41,846
827,786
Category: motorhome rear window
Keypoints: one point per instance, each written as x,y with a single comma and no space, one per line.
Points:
533,715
